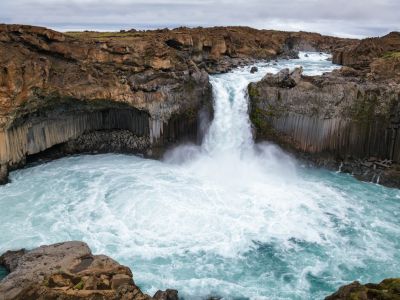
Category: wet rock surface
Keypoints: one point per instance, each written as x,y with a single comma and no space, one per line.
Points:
253,70
69,271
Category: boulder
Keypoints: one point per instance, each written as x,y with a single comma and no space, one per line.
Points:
166,295
68,270
284,78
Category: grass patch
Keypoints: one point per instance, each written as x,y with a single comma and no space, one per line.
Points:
391,54
102,35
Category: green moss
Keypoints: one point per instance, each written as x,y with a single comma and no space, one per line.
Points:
101,35
355,296
364,107
253,91
259,116
45,282
392,284
391,54
79,285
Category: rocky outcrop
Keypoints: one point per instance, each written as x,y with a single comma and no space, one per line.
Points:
339,118
69,271
219,49
75,91
56,89
388,289
361,55
348,119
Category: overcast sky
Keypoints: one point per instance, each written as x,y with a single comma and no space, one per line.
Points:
358,18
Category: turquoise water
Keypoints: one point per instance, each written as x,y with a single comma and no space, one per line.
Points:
228,218
3,273
299,238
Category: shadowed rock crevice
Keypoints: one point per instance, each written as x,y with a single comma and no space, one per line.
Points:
77,121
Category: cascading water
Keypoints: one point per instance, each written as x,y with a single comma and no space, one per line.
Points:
230,218
230,129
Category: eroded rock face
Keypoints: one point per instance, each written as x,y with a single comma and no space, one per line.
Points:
69,271
58,88
348,118
55,89
360,55
340,118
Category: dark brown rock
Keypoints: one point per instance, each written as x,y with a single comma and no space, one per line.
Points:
3,173
59,88
388,289
340,118
166,295
10,259
253,70
360,55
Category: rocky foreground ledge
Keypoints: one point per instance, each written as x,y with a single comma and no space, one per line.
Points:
69,271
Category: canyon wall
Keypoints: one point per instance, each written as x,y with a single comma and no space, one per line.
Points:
38,133
348,118
338,115
131,91
85,95
362,54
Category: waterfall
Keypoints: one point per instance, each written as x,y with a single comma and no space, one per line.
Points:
230,130
230,218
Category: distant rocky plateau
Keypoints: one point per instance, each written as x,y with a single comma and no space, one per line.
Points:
144,91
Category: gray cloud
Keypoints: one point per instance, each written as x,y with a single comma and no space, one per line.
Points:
337,17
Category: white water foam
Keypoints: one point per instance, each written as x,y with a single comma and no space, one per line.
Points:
227,218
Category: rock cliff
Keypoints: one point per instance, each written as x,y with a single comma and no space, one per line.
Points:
56,88
69,270
349,117
131,91
361,55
